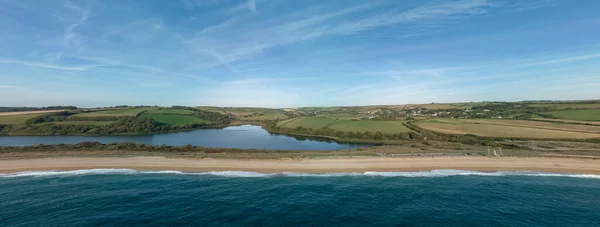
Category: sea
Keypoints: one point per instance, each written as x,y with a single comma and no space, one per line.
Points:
125,197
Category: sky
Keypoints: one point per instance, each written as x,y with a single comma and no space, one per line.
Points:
278,53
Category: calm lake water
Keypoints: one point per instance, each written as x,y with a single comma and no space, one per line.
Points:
243,137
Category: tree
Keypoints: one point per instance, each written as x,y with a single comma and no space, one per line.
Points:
378,135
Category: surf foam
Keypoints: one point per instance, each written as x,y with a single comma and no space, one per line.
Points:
421,174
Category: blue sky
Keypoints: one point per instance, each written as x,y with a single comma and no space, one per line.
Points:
277,53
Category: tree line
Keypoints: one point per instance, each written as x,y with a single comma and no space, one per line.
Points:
326,131
124,126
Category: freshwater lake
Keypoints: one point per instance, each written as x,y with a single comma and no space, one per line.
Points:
242,137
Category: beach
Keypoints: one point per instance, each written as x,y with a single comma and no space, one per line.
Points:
327,165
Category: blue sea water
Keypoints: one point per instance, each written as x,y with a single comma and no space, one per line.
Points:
123,197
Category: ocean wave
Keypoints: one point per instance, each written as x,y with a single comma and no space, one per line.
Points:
419,174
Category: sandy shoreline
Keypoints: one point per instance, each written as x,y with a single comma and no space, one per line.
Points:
537,164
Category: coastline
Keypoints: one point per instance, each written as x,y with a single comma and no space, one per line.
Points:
326,165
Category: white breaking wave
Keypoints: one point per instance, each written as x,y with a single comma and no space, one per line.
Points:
432,173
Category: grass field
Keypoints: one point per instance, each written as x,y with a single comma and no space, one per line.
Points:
211,109
511,128
562,106
340,116
269,115
79,123
174,119
306,122
116,113
370,126
28,112
169,111
17,119
345,125
578,115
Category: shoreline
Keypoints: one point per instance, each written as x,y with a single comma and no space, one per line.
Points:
343,165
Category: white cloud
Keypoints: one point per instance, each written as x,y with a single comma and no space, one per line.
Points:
248,40
44,65
70,36
249,5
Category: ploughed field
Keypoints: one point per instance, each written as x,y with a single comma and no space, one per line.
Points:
510,128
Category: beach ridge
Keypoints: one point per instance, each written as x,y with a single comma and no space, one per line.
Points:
380,164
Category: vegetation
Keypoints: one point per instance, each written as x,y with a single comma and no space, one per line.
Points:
266,115
174,119
50,117
113,122
170,111
307,122
370,126
18,119
115,112
470,123
580,115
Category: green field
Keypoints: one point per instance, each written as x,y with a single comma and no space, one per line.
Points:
116,113
169,111
269,115
578,115
340,116
345,125
17,119
174,119
562,106
79,123
370,126
307,122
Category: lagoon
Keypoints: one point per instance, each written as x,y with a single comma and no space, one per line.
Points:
242,137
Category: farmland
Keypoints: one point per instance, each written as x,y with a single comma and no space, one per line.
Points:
171,119
105,121
267,115
18,119
307,122
345,125
562,106
28,112
169,111
80,123
578,115
370,126
511,128
115,113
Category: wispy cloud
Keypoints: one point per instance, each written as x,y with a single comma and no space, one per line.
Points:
248,40
7,86
70,34
44,65
296,53
249,5
564,60
430,15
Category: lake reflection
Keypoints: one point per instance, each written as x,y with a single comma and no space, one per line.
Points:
243,137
